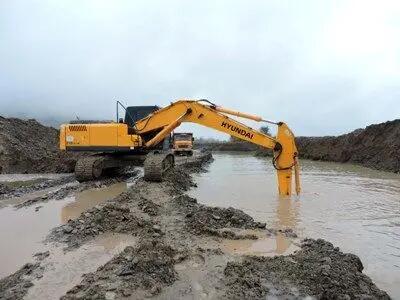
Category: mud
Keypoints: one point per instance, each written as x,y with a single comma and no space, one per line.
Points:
27,146
110,217
5,189
8,190
178,252
17,285
201,219
65,190
319,270
144,271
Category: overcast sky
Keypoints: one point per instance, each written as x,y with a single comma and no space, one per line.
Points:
324,67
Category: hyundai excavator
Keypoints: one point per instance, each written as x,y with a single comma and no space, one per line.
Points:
140,139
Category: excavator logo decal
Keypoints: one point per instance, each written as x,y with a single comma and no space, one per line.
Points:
237,129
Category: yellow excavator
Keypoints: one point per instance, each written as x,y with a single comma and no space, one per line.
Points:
142,136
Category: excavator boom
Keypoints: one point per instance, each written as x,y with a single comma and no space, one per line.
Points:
212,116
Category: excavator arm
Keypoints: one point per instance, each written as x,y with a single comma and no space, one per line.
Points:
205,113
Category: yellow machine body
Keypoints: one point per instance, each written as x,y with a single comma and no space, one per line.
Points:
115,137
98,137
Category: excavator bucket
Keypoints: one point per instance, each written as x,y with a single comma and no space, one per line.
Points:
286,162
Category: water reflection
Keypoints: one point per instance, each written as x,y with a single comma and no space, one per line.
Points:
287,212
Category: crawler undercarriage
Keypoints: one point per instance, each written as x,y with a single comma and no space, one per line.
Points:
155,165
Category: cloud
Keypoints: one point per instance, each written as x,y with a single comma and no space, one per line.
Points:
323,67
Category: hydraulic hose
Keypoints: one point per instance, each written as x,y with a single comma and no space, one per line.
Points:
278,148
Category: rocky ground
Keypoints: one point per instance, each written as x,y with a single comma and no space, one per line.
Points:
178,253
26,146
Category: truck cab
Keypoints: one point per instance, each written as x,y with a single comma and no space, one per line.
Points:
182,143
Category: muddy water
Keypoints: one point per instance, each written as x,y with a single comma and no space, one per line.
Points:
65,270
23,230
262,246
355,208
30,177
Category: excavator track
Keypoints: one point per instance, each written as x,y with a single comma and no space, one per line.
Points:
156,164
88,168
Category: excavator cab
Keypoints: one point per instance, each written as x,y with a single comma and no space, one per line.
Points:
135,113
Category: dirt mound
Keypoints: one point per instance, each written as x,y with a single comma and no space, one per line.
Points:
27,146
376,146
201,219
319,269
179,180
112,216
148,206
142,271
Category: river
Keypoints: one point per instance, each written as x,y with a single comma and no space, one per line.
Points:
355,208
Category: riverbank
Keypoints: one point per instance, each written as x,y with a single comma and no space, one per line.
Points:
377,146
177,252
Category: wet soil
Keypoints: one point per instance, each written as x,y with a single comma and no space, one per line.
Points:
17,285
10,189
201,219
143,270
178,252
65,187
26,146
319,269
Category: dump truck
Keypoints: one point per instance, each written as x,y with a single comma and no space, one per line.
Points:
182,143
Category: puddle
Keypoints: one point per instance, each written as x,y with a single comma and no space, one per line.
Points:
263,246
64,271
34,194
23,230
89,198
30,177
197,276
266,246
